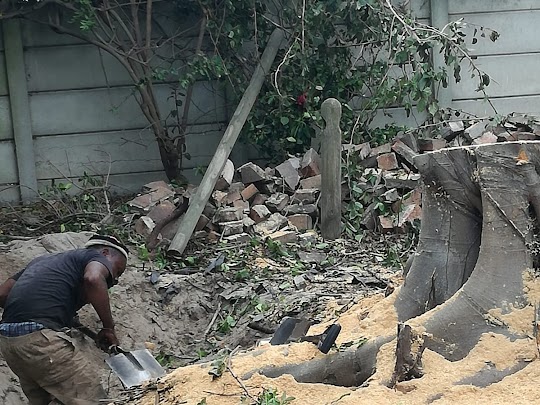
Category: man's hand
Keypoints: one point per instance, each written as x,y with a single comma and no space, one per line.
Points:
106,339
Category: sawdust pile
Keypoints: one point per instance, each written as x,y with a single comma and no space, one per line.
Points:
444,382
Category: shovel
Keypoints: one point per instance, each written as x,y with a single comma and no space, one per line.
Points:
134,367
131,367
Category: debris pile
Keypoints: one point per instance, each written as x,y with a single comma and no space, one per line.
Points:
279,203
390,179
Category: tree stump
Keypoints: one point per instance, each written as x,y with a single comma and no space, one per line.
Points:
477,252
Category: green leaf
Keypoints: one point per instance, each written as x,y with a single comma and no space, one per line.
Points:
284,120
291,139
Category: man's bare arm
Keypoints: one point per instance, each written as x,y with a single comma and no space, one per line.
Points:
95,289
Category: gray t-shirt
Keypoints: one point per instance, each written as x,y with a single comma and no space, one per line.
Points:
50,289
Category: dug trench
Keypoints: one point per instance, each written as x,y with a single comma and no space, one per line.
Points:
187,319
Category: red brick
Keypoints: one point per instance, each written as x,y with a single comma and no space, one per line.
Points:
387,161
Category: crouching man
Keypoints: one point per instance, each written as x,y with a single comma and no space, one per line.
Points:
39,305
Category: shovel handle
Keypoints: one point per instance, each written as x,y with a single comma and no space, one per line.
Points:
86,330
114,349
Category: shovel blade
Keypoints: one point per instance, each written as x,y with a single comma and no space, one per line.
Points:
135,367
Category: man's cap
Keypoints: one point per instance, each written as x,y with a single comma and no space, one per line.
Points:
106,240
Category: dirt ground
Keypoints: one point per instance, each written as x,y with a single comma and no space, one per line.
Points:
175,316
180,317
444,382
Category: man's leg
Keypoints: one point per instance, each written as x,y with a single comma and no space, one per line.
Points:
53,362
70,378
35,394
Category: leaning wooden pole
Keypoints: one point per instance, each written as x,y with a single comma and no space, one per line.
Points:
226,145
331,170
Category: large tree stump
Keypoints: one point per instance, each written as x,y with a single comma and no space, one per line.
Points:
478,243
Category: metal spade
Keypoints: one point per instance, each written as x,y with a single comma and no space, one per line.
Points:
134,367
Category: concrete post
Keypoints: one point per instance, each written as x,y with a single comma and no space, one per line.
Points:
331,170
439,18
20,109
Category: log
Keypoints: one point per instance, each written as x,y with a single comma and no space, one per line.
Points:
204,191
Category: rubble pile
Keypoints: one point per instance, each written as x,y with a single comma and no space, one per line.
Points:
282,202
279,203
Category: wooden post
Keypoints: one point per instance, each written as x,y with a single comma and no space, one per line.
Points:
331,170
196,206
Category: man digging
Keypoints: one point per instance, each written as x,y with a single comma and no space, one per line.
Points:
39,305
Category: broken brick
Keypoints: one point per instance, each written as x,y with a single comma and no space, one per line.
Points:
231,197
277,202
251,173
272,224
144,226
219,197
410,140
456,126
301,209
288,170
248,222
284,236
228,215
403,150
305,196
154,185
238,186
225,179
259,213
385,224
380,150
249,192
232,227
409,214
427,145
476,130
301,222
161,211
363,149
311,163
202,222
311,182
151,198
209,210
259,199
387,161
241,204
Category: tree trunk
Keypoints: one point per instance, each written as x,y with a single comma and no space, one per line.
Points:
477,245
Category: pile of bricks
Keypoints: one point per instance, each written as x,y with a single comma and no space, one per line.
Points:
390,177
280,203
283,202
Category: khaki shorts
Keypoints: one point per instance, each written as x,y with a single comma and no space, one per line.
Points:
50,366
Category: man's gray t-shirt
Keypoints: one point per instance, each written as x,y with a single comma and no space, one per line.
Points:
50,289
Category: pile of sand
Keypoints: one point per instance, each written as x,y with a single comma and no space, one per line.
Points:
444,382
